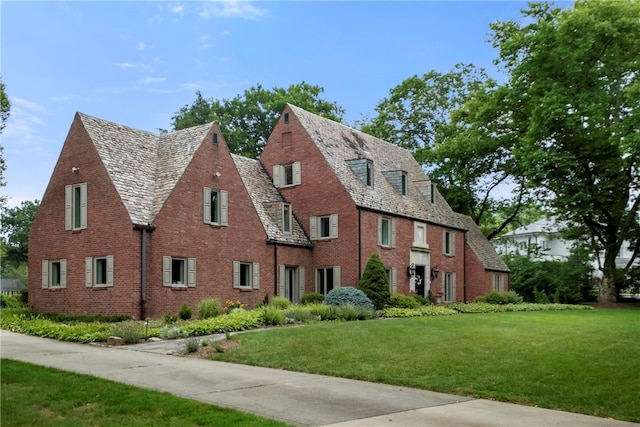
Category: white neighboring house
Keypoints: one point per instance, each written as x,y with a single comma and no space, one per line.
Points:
541,240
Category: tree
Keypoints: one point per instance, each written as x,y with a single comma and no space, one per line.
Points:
5,107
435,116
16,223
375,283
247,120
573,99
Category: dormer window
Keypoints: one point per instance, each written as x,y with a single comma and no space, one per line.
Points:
369,176
363,170
399,180
403,184
286,217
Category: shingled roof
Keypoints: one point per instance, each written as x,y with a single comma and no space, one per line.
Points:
268,202
481,246
340,144
144,167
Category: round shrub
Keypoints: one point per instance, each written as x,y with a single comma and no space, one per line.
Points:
348,296
280,303
312,298
185,312
209,307
272,316
499,298
404,301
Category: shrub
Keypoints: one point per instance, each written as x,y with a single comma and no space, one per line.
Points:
312,298
170,318
280,303
499,298
130,334
185,312
404,301
192,345
209,307
348,296
350,312
321,311
375,283
422,300
11,301
172,333
300,314
272,316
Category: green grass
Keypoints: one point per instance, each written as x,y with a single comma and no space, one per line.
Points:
37,396
578,361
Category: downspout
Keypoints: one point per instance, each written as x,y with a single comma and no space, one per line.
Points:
464,268
359,243
143,266
275,269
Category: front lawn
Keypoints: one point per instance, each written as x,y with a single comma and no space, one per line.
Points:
577,361
37,396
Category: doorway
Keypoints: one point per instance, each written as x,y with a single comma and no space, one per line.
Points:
420,280
291,284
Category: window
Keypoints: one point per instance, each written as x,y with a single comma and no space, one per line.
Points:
449,283
324,227
419,234
327,278
392,276
403,184
448,244
369,174
497,282
433,193
287,175
75,215
292,283
98,271
216,206
286,118
54,273
286,218
246,275
386,232
178,272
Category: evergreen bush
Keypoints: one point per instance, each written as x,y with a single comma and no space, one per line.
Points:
185,312
375,283
404,301
209,307
312,298
280,303
348,296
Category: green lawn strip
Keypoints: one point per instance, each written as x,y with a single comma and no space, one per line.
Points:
577,361
38,396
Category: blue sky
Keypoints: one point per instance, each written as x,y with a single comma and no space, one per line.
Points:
138,62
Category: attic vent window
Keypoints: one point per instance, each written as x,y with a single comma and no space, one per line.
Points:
286,118
215,138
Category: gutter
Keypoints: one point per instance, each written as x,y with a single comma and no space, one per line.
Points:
143,266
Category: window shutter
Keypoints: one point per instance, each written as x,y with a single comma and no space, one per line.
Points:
444,241
63,273
282,281
392,238
314,227
336,277
45,273
224,208
379,231
110,270
276,176
236,275
301,284
166,271
334,225
256,275
453,243
206,196
191,275
83,205
394,280
68,198
88,271
297,173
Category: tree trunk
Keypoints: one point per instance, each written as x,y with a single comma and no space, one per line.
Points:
608,292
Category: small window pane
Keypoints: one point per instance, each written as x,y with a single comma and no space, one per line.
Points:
385,232
369,174
288,174
286,217
324,226
404,185
215,206
101,271
55,273
177,272
245,274
77,207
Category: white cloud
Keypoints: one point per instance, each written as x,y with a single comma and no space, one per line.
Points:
204,42
143,46
178,9
124,65
230,9
148,80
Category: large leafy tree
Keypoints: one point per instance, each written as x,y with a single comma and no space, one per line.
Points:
247,120
5,107
573,99
441,119
15,227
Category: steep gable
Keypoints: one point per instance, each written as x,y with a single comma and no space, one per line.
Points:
341,146
481,247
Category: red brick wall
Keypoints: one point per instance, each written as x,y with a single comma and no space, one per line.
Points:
479,280
109,232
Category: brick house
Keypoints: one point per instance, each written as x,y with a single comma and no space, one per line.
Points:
137,223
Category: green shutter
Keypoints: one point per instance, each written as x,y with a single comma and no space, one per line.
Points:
110,270
45,273
166,271
191,272
256,275
236,274
68,199
88,271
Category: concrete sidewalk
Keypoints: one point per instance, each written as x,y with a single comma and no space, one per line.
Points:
296,398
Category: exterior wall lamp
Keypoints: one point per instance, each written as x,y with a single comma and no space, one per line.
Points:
434,272
411,270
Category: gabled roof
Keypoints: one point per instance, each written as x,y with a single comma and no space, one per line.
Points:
542,226
340,144
267,202
144,167
480,246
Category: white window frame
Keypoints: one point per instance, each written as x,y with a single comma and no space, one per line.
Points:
498,282
189,272
48,276
315,226
300,282
279,175
391,232
91,271
75,206
222,207
448,242
449,287
253,275
420,234
323,271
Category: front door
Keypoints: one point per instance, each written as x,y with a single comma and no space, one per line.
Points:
290,284
420,280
